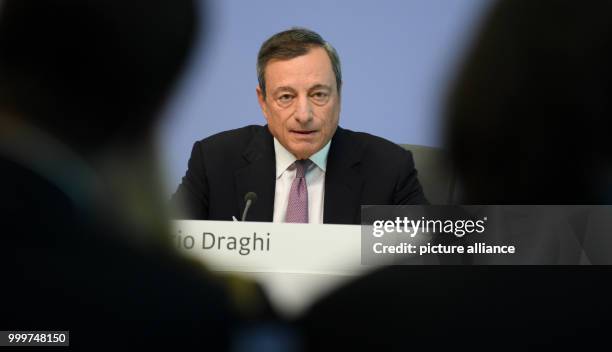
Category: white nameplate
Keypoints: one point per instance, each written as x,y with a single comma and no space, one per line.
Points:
271,247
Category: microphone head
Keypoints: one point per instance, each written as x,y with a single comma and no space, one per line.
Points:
252,196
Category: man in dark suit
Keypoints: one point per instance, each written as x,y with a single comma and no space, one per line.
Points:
301,165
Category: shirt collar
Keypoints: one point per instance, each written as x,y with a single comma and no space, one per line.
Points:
284,158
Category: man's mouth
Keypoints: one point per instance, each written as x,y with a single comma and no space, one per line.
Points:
304,133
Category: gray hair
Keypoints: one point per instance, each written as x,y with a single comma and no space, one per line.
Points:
290,44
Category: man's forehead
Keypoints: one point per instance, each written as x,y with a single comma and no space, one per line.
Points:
314,67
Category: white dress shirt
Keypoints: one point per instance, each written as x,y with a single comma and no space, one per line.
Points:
315,182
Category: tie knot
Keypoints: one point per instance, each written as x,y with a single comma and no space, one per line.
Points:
300,167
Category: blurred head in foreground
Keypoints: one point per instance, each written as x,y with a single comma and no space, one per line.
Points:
84,80
82,83
90,72
529,116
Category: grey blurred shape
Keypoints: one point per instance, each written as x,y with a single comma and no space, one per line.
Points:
435,175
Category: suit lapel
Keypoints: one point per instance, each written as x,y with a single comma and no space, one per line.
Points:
342,181
258,176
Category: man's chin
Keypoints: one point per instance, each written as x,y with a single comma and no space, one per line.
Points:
303,153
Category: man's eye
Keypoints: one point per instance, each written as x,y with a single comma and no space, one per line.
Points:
285,98
319,96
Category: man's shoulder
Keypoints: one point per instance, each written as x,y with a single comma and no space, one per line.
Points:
236,141
227,147
242,135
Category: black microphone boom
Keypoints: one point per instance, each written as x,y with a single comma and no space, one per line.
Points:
249,198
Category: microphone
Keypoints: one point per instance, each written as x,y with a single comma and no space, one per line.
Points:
249,198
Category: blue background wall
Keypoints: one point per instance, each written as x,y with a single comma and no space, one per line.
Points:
397,59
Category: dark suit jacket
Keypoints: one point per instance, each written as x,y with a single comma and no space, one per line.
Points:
361,170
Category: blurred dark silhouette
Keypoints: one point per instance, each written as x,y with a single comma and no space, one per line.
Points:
85,246
529,114
528,124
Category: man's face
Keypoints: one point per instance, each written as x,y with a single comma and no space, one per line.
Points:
302,105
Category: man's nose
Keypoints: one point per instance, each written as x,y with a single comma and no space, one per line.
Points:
303,113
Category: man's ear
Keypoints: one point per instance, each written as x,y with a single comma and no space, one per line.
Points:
262,101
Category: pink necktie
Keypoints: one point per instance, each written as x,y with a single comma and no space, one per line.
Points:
297,209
